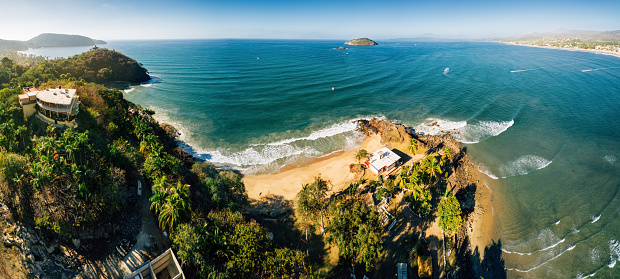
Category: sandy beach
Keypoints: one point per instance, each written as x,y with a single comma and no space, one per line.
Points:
289,181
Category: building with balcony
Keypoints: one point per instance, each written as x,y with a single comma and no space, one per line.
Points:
383,161
57,106
164,266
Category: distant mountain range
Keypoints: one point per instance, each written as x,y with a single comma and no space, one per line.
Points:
49,40
588,35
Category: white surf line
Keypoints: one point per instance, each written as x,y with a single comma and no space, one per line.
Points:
569,248
526,271
540,250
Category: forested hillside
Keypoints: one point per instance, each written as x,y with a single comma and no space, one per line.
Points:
73,185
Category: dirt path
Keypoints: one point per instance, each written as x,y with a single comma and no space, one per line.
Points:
150,242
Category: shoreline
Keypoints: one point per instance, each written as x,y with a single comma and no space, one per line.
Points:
287,182
595,51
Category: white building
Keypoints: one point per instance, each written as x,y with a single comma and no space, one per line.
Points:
164,266
383,161
56,106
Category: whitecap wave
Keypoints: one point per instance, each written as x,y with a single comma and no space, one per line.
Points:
523,165
483,130
336,129
434,126
462,131
543,263
487,172
540,250
614,252
129,89
611,159
269,157
255,156
446,71
595,218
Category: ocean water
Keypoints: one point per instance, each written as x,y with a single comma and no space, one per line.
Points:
542,124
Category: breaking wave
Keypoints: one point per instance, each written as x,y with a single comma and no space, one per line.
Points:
271,156
614,252
464,132
331,131
543,263
523,165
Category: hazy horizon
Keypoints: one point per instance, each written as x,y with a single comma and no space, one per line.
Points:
278,19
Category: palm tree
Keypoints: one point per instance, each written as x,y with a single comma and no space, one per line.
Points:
176,206
413,148
431,167
171,202
361,154
446,154
159,198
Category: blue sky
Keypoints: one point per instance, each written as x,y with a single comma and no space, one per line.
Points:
295,19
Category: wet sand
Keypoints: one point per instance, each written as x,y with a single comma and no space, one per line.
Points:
289,180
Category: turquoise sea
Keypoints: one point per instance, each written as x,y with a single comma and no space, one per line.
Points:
543,124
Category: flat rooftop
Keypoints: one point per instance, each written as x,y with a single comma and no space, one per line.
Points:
383,158
57,96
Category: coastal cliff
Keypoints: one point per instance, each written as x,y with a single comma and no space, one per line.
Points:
361,42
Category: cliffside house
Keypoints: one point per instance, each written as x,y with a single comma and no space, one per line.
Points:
164,266
383,161
55,106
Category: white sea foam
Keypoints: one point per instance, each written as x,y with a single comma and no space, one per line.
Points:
482,130
595,218
543,263
614,252
463,131
434,126
540,250
446,71
595,255
269,157
255,156
487,172
523,165
146,84
331,131
611,159
129,90
589,70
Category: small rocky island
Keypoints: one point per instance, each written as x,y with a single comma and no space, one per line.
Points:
361,42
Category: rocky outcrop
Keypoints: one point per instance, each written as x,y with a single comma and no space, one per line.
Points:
43,259
389,131
361,42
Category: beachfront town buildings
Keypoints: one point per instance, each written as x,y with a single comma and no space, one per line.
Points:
56,106
383,161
